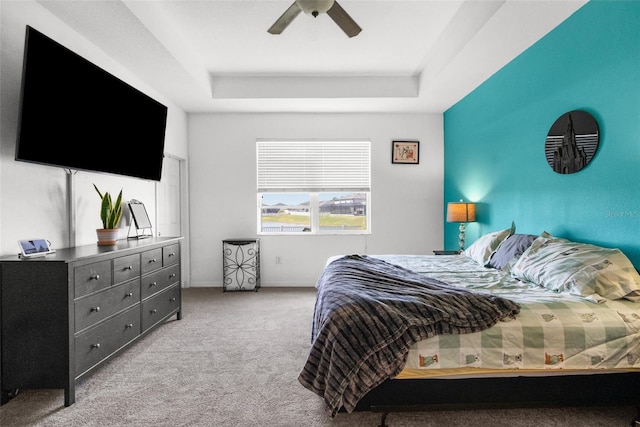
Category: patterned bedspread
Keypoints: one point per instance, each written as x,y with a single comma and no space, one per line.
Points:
369,313
553,331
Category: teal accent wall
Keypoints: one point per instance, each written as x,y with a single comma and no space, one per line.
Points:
494,137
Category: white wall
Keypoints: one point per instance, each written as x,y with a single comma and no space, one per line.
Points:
406,200
33,197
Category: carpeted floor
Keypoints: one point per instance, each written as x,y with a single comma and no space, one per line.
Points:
233,360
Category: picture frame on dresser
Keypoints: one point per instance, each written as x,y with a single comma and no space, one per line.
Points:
34,247
140,220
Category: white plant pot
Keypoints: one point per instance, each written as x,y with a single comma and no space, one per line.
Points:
107,236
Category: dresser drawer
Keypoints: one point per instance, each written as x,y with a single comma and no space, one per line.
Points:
151,260
97,343
96,307
92,277
159,306
125,268
170,254
155,282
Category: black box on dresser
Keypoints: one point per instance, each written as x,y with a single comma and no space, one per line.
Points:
65,314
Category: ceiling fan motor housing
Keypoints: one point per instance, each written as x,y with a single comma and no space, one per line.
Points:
315,7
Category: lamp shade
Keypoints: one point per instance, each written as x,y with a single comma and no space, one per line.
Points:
461,212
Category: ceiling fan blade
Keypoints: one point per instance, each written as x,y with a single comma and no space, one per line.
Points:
344,21
286,18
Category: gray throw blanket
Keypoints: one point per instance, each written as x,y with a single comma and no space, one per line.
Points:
369,312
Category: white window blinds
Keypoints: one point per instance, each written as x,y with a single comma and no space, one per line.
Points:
314,166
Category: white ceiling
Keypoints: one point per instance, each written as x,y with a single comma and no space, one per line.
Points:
216,55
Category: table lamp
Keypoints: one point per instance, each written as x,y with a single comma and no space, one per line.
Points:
461,212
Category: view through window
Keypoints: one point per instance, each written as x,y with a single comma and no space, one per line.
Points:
318,187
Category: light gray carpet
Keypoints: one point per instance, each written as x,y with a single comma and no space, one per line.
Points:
233,360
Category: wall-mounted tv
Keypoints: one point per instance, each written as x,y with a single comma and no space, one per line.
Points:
75,115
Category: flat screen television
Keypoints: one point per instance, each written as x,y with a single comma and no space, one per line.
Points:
75,115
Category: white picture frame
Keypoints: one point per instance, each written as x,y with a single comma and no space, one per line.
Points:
34,247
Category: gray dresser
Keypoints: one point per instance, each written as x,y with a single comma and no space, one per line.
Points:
65,314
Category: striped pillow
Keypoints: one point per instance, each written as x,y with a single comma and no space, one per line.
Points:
482,249
592,272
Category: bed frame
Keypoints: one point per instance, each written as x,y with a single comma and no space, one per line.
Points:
599,389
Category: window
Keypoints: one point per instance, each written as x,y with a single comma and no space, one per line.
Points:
317,187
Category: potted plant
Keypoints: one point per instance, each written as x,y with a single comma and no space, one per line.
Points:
110,214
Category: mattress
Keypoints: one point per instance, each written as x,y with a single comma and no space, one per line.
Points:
553,331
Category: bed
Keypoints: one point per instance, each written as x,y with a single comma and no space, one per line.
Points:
515,320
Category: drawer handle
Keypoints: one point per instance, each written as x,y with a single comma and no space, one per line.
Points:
129,326
172,254
172,275
153,283
97,345
172,299
154,311
129,268
96,277
154,260
96,309
128,295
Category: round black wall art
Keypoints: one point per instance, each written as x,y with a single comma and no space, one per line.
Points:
572,142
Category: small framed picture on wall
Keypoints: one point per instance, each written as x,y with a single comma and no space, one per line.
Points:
407,152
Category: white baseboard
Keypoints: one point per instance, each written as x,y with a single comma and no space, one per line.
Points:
262,285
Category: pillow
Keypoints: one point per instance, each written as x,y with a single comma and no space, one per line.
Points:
510,248
480,251
589,271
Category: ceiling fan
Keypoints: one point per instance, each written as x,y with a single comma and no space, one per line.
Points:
316,7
